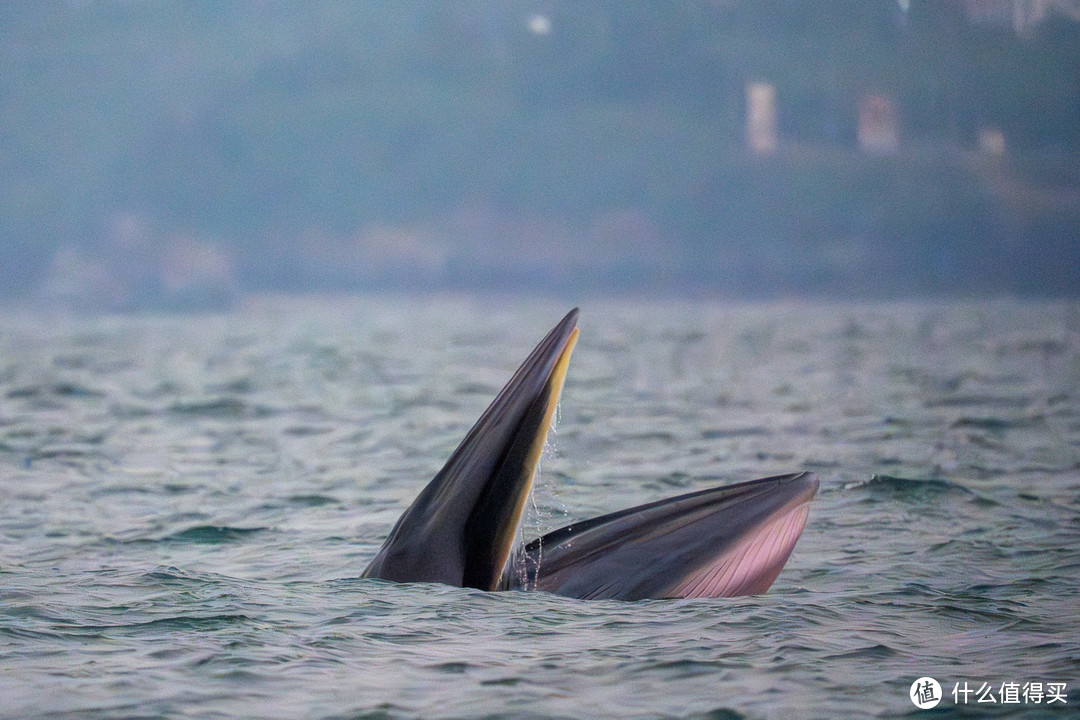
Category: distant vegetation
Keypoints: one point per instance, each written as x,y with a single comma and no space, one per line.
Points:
575,143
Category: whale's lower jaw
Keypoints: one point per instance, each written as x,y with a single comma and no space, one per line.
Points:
721,542
751,567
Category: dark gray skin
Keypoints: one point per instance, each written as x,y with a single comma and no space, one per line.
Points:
459,531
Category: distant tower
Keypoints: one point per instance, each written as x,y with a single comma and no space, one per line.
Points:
761,118
878,126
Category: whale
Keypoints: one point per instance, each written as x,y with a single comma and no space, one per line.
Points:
463,528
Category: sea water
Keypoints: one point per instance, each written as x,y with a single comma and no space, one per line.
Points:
187,503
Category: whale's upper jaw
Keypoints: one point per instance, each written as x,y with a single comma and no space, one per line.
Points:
460,529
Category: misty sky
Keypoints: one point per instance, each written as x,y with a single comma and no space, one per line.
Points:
182,154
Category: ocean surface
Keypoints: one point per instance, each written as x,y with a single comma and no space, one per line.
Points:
187,503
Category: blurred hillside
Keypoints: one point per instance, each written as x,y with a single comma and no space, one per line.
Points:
184,152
